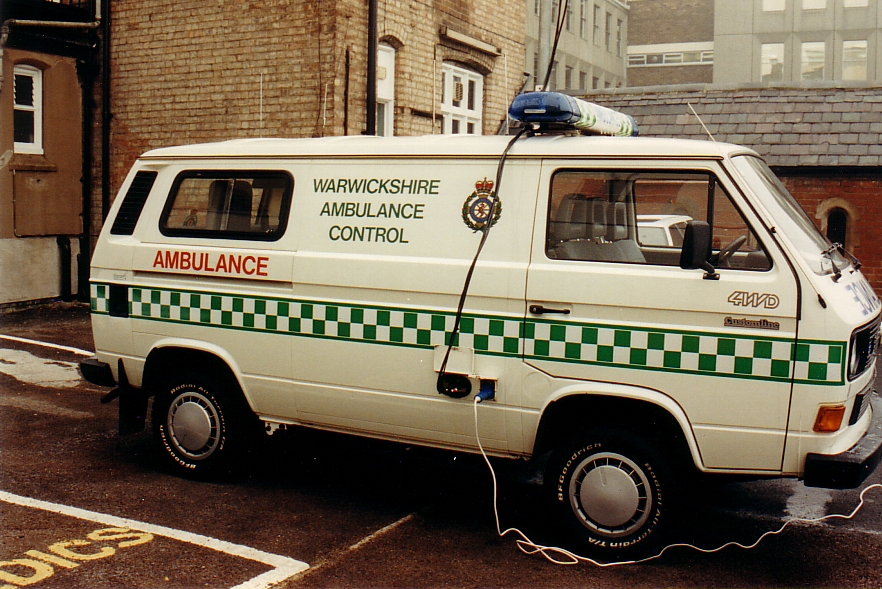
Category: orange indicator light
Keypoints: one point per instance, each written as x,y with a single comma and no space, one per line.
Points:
829,418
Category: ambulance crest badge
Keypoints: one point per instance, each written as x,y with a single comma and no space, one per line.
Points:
477,207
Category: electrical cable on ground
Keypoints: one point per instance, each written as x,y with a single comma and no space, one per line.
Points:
562,556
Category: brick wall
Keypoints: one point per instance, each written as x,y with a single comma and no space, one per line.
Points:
670,21
674,74
187,71
864,193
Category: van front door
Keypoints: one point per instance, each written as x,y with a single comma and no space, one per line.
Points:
607,301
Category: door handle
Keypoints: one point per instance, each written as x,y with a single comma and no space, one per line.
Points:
539,310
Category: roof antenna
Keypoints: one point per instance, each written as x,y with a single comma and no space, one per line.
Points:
689,104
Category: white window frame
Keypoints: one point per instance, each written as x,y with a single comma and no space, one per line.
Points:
385,90
774,5
583,19
607,39
36,75
620,30
463,116
596,31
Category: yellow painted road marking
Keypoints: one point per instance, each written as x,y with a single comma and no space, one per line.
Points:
40,564
283,566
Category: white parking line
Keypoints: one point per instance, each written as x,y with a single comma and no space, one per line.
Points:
337,555
33,342
284,567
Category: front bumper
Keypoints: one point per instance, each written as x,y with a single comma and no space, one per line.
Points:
850,468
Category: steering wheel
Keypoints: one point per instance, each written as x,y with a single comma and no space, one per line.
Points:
731,248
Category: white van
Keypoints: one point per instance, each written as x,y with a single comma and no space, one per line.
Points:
315,282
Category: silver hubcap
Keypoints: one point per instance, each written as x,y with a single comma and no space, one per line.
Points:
610,494
194,425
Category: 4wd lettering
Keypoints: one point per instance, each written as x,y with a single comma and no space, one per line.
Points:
740,298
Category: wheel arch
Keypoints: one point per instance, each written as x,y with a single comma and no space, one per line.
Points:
653,419
171,356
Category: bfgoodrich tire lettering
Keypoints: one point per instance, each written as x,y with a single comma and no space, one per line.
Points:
198,424
608,492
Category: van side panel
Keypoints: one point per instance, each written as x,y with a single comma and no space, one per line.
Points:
381,265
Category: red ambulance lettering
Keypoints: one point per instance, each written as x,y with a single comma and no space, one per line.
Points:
247,265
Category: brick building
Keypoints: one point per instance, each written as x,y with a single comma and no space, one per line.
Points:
824,144
48,54
670,42
186,71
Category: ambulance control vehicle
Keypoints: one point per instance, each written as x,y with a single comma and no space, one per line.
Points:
269,283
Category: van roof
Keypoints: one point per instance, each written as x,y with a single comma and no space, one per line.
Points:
453,146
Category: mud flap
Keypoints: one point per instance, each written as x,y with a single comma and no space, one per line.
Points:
132,404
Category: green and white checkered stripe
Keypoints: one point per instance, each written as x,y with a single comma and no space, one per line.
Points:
683,352
99,298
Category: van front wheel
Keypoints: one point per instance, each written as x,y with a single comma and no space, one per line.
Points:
607,491
196,424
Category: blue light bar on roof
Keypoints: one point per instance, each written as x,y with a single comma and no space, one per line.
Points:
553,109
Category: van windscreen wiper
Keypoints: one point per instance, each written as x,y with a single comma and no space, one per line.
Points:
828,253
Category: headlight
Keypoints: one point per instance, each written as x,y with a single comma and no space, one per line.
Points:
861,348
854,357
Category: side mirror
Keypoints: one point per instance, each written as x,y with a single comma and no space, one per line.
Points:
697,249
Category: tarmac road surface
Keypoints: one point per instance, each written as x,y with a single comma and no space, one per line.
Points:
82,507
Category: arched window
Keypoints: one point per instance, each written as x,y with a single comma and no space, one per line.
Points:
838,218
837,227
28,109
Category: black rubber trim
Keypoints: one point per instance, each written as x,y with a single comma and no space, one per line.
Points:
852,467
97,372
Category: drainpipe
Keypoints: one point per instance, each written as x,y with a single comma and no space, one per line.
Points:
84,257
371,102
106,116
15,22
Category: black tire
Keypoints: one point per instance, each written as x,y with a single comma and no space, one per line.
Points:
608,491
200,423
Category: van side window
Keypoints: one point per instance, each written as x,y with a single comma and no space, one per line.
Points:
237,204
639,217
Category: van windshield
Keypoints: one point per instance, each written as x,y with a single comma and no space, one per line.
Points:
791,219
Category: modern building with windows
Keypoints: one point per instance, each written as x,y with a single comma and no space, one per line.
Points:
591,52
801,42
797,41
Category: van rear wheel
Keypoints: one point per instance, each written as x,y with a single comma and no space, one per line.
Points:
199,423
607,491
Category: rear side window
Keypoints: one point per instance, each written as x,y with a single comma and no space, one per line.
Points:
133,204
238,204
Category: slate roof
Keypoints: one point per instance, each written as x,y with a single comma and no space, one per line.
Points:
792,127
